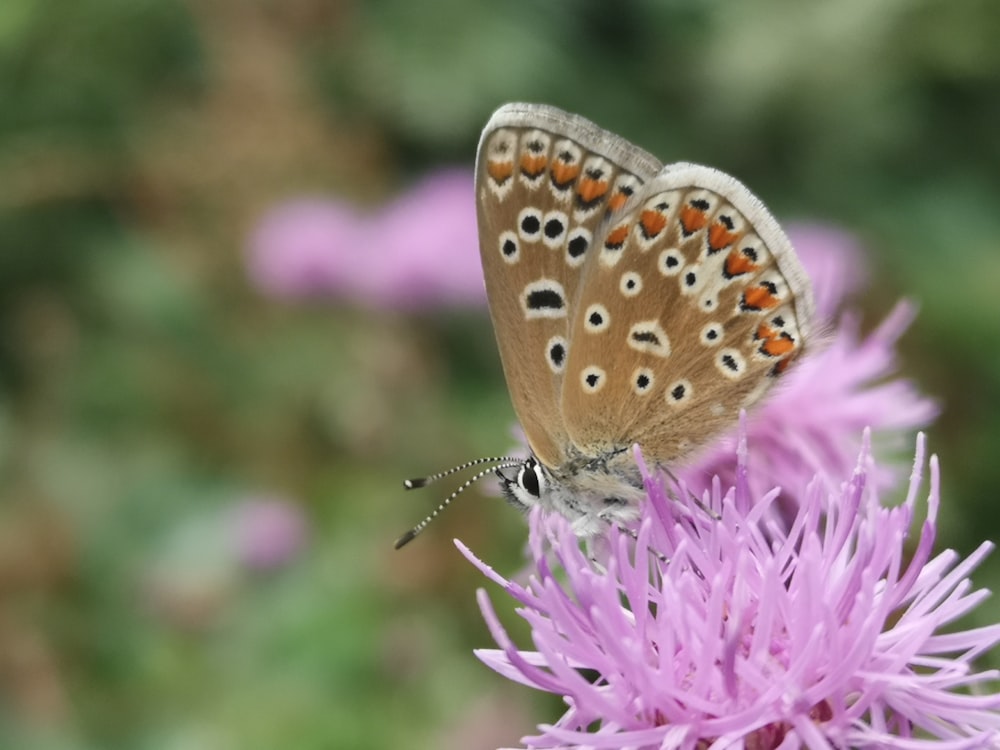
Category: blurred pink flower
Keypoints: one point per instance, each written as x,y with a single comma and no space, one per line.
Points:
421,250
269,532
834,260
302,248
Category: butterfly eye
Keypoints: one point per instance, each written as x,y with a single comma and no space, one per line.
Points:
530,478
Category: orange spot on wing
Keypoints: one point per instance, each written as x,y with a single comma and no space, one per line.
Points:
764,331
563,174
500,171
652,223
617,200
692,219
759,298
532,165
738,264
591,190
719,237
781,366
777,346
617,236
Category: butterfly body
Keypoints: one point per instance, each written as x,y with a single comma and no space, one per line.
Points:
633,302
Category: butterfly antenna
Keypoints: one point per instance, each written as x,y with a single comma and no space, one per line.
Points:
412,484
410,535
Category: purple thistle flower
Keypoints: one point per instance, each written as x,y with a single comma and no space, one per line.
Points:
418,251
752,635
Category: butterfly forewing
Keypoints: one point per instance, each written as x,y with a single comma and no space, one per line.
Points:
690,306
547,186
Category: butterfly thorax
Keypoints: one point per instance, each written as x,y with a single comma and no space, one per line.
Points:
592,492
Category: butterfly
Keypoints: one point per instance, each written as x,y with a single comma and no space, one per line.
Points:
633,303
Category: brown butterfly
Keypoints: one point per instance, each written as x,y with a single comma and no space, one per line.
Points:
632,302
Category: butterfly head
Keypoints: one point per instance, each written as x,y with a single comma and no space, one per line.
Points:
592,492
527,485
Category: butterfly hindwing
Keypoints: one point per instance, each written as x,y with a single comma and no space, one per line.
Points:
690,307
545,183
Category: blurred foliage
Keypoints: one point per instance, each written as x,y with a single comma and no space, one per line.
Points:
147,388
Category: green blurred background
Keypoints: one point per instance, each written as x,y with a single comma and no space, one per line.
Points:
149,392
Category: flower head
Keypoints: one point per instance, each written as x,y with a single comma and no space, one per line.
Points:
417,251
738,633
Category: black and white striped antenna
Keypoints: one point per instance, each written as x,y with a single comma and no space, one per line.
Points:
499,462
